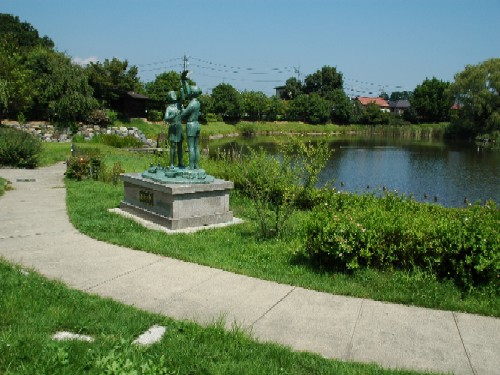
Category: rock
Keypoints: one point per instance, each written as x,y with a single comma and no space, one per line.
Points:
151,336
63,335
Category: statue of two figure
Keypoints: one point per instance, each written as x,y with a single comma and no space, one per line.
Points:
174,115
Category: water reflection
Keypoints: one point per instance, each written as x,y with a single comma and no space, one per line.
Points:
429,171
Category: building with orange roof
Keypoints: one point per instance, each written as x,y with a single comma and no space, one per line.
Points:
381,102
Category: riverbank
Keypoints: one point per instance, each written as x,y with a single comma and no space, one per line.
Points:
420,131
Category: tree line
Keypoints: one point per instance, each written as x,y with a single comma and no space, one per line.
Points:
38,82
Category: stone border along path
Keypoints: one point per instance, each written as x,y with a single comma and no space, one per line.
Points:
35,232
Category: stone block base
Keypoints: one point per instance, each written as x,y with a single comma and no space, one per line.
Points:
177,206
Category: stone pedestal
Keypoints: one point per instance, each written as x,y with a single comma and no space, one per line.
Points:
177,206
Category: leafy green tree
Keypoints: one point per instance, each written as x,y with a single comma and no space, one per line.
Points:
227,102
61,87
111,79
374,116
293,88
432,101
276,109
158,89
400,95
341,106
24,34
324,81
476,92
4,97
357,112
312,109
163,83
254,105
206,107
17,87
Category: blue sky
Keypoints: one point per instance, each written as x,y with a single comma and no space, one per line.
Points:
389,45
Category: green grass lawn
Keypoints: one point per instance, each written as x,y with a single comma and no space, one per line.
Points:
34,308
238,249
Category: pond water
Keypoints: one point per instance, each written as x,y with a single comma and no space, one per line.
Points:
450,174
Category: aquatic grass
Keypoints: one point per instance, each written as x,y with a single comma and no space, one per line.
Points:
34,308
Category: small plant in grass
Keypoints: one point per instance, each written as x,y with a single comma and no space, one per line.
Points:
21,118
19,149
4,185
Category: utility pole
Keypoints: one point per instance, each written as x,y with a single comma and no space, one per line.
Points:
185,62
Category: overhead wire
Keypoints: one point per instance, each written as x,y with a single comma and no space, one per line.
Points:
276,75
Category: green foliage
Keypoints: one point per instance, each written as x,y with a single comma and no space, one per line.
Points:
4,185
277,185
111,79
293,88
342,106
312,109
432,100
394,232
158,89
372,115
276,110
476,91
89,164
23,33
254,105
227,102
17,91
19,149
83,167
155,116
21,118
323,82
101,117
64,94
400,95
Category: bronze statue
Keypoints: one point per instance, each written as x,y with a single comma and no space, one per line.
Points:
191,113
174,114
175,133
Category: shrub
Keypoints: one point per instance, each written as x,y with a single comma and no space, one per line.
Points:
276,184
19,149
394,232
101,117
212,117
83,167
154,115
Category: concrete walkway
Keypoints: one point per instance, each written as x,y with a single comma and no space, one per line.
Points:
35,232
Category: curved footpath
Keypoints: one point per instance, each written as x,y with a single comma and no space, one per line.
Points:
35,232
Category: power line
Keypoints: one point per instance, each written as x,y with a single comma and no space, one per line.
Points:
234,73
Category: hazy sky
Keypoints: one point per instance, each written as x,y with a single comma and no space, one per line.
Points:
389,45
